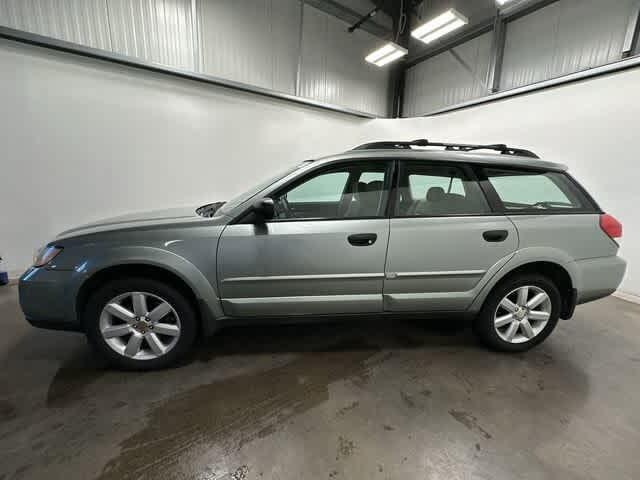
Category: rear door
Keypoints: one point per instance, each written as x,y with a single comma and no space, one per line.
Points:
323,253
444,241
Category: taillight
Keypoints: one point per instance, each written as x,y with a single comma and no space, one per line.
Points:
610,225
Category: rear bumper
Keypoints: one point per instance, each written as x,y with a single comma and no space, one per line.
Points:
45,299
598,277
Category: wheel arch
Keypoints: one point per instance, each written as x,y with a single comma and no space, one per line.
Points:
202,298
556,271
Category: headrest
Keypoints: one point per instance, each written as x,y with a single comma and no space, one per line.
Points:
435,194
361,187
375,186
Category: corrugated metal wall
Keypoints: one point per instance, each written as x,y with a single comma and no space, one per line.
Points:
256,42
159,31
451,77
333,68
251,41
79,21
564,37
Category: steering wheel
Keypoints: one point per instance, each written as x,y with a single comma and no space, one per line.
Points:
283,209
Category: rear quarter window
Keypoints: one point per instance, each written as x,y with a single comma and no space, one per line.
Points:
537,191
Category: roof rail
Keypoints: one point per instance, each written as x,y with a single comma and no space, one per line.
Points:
456,147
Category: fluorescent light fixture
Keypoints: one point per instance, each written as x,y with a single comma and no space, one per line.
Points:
502,2
439,26
386,54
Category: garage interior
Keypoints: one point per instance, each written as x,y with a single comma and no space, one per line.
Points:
116,106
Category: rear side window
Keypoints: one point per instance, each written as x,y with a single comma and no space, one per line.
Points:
434,190
526,190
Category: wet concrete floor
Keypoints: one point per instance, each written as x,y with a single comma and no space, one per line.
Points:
359,400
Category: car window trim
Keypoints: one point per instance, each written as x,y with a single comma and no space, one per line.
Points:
467,170
347,164
497,205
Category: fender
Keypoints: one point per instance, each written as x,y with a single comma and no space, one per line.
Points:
85,267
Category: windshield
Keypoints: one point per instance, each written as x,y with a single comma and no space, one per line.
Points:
243,197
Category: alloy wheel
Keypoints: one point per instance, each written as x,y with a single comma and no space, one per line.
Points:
140,325
522,314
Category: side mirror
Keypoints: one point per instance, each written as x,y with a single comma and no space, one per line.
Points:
264,209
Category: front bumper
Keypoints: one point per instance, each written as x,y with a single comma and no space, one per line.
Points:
46,300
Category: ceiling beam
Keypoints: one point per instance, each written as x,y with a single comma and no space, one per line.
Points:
350,16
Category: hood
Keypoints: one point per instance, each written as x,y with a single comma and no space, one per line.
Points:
132,220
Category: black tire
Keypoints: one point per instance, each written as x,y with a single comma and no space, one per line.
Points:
180,303
483,325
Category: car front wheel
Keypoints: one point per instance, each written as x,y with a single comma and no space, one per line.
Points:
519,313
140,323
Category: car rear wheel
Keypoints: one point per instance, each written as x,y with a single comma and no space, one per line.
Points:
140,323
519,313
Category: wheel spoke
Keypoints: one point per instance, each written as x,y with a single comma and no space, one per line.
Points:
511,331
508,305
116,331
523,295
166,329
139,304
537,300
504,320
159,312
133,346
527,330
155,343
120,312
538,315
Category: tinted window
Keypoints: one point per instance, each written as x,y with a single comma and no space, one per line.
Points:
419,184
437,190
529,190
354,191
323,188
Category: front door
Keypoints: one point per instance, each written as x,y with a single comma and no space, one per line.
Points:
323,253
444,242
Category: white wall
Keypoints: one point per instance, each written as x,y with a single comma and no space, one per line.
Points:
591,126
82,139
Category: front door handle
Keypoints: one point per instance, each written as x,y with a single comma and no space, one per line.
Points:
495,235
362,239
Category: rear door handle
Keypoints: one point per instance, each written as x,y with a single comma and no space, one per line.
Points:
495,235
362,239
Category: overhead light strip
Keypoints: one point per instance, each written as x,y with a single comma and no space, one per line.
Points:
386,54
440,26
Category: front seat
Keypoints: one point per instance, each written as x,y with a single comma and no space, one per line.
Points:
366,200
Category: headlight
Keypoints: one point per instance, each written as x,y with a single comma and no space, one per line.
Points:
45,255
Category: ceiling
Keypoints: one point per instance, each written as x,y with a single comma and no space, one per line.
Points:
479,12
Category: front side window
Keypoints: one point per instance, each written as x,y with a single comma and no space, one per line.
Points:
522,190
437,190
356,190
325,188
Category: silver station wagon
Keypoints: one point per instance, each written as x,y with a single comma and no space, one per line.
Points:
387,229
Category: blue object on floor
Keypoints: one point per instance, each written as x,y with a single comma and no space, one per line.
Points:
4,276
